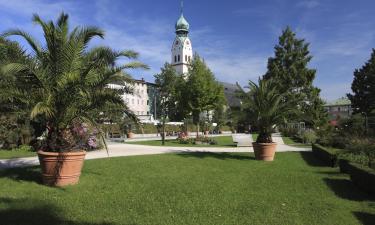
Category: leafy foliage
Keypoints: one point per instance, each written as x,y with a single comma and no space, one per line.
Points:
167,82
363,87
202,92
266,106
65,82
295,80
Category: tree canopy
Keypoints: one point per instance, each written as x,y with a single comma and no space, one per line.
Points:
290,72
363,87
202,92
65,79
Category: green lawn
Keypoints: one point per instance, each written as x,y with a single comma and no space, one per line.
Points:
254,136
222,141
294,143
10,154
199,188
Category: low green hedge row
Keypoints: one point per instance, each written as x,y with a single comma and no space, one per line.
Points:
327,155
362,176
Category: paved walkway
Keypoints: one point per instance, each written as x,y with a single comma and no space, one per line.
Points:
121,149
246,140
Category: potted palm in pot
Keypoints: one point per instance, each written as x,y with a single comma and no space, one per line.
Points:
267,108
68,85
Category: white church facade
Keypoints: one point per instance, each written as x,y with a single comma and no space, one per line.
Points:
182,50
143,101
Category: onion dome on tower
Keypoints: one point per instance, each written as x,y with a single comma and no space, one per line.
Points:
182,26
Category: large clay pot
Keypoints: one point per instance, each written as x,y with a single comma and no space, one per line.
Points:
130,135
61,169
264,151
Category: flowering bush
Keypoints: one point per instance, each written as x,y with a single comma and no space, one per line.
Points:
205,140
79,136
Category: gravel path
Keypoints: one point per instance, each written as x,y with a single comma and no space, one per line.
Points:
123,149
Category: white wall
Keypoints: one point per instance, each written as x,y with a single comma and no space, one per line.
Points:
181,47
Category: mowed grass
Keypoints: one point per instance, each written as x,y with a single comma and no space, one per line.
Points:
10,154
222,141
199,188
292,142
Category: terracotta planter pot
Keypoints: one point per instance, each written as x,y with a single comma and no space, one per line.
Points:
61,169
264,151
130,135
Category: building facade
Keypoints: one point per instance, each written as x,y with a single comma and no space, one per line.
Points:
338,109
143,100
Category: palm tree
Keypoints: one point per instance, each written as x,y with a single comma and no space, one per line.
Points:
67,81
266,106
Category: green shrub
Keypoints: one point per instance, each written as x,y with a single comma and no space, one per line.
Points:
363,177
362,150
185,140
308,136
327,155
205,140
146,129
225,128
289,131
22,148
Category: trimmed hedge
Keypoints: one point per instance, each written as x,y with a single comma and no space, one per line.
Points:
344,165
362,176
325,154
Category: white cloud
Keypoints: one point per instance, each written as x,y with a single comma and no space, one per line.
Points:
240,68
308,4
333,91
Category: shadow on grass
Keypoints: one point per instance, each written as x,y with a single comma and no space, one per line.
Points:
219,155
365,218
311,160
31,174
29,212
333,173
345,189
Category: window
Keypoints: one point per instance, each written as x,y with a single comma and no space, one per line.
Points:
143,102
186,58
175,58
138,101
189,58
148,102
178,58
148,113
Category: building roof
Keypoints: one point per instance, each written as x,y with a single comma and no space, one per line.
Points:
182,24
340,101
230,94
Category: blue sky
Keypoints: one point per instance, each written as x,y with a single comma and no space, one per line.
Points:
235,37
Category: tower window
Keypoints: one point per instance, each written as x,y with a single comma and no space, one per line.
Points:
175,58
185,58
178,58
189,58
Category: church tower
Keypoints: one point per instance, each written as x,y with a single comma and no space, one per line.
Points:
182,51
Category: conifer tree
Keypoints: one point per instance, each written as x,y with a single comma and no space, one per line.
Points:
289,69
363,87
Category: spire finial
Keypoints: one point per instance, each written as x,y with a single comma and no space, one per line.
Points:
182,6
